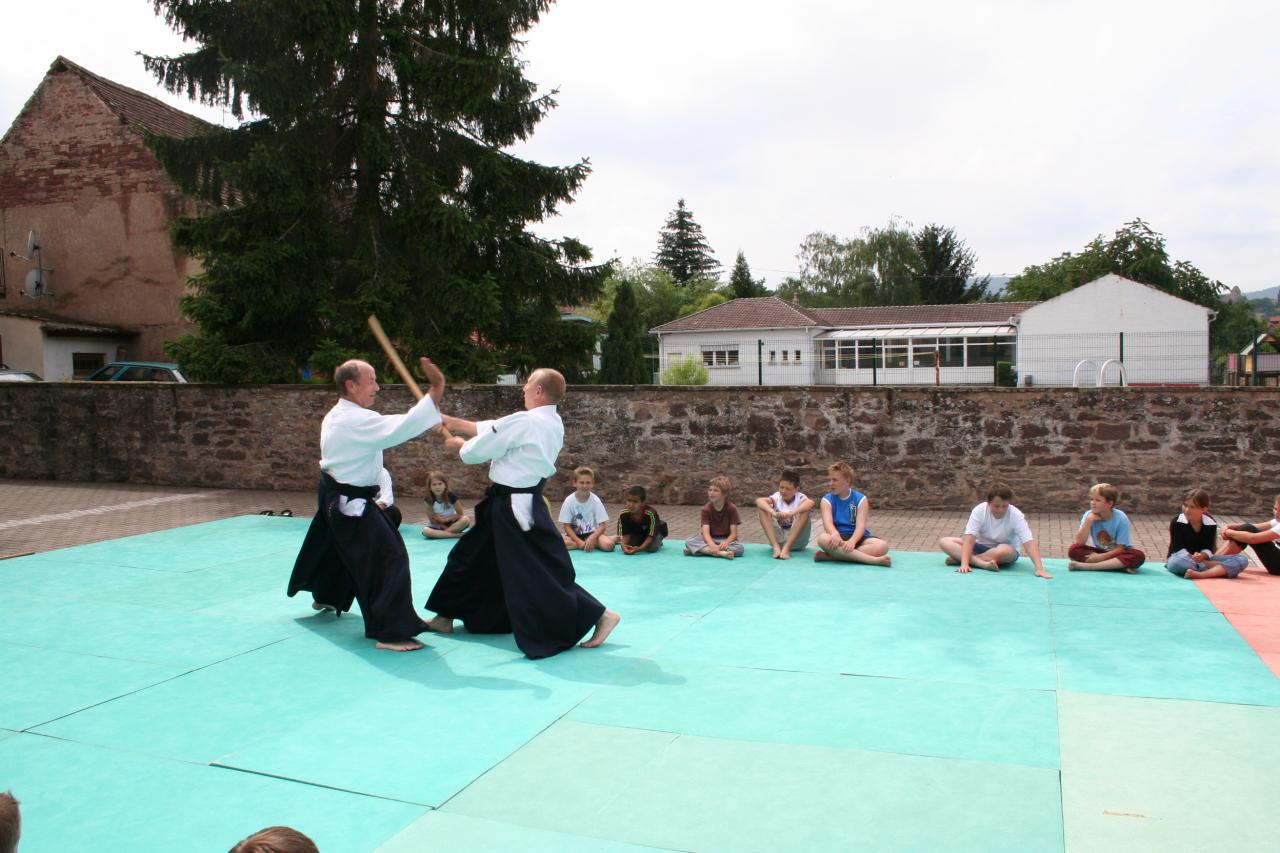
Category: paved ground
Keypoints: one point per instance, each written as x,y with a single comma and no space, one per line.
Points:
42,516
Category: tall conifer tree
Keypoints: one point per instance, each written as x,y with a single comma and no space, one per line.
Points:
372,177
622,361
741,284
682,249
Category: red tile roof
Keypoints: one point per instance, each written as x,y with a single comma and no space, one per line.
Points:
761,312
770,312
914,315
134,108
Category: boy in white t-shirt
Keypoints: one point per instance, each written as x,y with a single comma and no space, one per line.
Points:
784,516
995,531
583,515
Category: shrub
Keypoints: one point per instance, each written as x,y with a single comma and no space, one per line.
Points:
688,370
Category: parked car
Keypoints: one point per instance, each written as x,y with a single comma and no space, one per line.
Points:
137,371
7,375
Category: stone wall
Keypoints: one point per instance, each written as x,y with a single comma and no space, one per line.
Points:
926,447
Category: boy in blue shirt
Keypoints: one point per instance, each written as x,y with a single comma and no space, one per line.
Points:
845,535
1108,531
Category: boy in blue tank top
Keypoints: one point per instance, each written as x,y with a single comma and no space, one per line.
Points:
845,534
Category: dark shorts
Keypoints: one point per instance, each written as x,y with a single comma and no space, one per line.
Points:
866,534
979,548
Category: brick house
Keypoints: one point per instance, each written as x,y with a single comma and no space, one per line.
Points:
75,170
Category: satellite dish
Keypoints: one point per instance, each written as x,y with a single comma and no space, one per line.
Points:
34,286
33,244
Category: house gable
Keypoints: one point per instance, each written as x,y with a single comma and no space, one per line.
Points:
1113,303
80,136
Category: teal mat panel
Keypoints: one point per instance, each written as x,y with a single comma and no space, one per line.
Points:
70,579
1161,775
129,632
76,797
226,583
279,710
667,582
998,643
691,793
41,685
886,715
1151,588
442,831
1174,654
913,576
191,548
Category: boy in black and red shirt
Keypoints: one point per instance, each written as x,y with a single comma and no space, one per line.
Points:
639,528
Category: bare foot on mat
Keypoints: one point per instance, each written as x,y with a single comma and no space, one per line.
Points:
440,624
402,646
604,627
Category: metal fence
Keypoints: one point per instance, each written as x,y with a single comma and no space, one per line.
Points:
1132,358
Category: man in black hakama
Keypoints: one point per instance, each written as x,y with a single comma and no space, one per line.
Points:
353,549
511,571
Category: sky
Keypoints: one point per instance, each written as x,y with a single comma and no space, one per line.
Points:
1030,127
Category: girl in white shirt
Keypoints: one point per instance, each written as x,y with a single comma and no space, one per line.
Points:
445,518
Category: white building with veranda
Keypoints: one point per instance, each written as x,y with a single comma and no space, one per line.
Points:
1139,334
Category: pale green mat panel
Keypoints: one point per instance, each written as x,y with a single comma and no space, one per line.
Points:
706,794
76,797
442,831
1163,775
822,709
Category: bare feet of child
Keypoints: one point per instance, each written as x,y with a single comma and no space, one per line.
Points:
1075,566
821,557
401,646
604,627
440,624
784,554
777,553
951,561
882,561
990,566
726,553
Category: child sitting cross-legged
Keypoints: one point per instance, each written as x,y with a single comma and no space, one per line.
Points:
583,515
993,535
845,513
445,519
640,531
720,521
1108,529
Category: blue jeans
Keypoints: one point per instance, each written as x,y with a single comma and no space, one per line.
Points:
1180,561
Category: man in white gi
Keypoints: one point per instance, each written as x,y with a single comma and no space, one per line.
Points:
511,573
353,548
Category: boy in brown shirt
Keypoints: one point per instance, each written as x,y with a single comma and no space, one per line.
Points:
720,520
